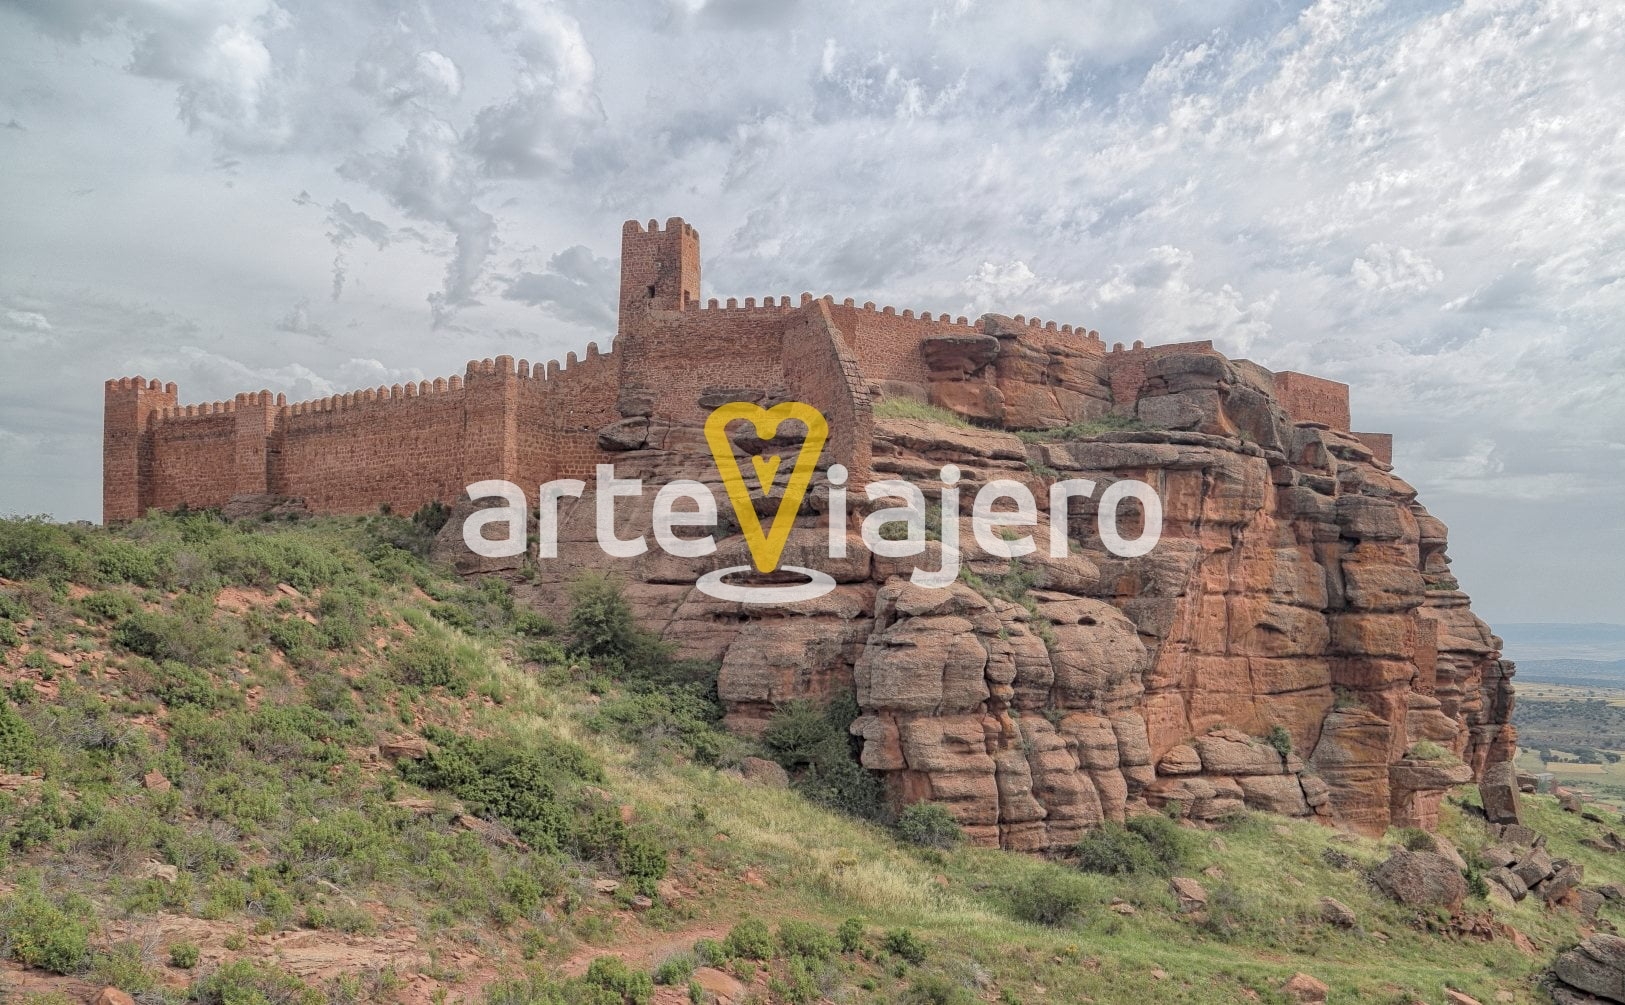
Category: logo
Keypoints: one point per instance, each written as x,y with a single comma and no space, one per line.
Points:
1004,517
766,547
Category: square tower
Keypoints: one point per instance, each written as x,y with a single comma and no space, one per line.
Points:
660,269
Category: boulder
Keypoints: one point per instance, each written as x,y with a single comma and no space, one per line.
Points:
1534,867
1508,881
1421,879
1498,791
764,772
1566,876
725,988
1180,759
1595,966
1188,895
112,996
1335,912
404,748
1303,989
155,781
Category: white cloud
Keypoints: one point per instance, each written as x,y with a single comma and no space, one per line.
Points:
1423,201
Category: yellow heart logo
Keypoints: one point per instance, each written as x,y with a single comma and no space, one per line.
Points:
765,548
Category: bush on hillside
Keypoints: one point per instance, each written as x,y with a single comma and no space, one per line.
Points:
813,744
929,825
750,940
1113,850
1050,899
38,932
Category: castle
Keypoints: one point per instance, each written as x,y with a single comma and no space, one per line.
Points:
407,445
1300,590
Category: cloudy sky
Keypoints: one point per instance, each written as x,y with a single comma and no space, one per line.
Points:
1426,200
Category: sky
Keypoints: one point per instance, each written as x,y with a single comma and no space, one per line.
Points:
1425,200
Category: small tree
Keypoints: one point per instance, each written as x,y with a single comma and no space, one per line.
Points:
929,825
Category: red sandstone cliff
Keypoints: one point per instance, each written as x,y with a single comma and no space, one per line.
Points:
1299,586
1300,591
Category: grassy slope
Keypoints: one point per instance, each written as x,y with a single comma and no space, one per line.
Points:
280,820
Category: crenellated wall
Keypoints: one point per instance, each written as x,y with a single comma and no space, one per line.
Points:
409,444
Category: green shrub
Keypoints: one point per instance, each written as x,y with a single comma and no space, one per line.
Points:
750,940
1113,850
903,942
929,825
245,982
814,745
38,932
1050,899
612,974
1281,740
175,683
642,859
109,605
711,953
935,989
805,939
658,721
19,747
342,618
12,607
8,635
526,787
33,548
189,637
120,560
850,935
124,967
539,989
1169,844
675,970
601,626
429,662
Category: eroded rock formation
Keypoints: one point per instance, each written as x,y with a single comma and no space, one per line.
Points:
1294,644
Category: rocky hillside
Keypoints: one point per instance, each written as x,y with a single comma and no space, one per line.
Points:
1296,642
289,763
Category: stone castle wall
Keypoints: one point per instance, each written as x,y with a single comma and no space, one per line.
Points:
407,445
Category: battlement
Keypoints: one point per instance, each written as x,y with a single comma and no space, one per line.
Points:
406,444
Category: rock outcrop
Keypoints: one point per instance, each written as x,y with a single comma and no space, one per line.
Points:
1295,643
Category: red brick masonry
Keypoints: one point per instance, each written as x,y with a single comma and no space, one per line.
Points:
407,445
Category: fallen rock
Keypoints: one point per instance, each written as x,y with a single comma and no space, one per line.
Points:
764,772
1335,912
155,782
1188,895
1595,966
1305,990
1421,879
1497,856
605,886
726,989
404,748
1454,997
1566,876
1569,802
1534,867
153,869
1505,879
112,996
491,832
1612,891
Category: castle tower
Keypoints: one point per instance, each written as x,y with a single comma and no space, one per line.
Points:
126,454
660,269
